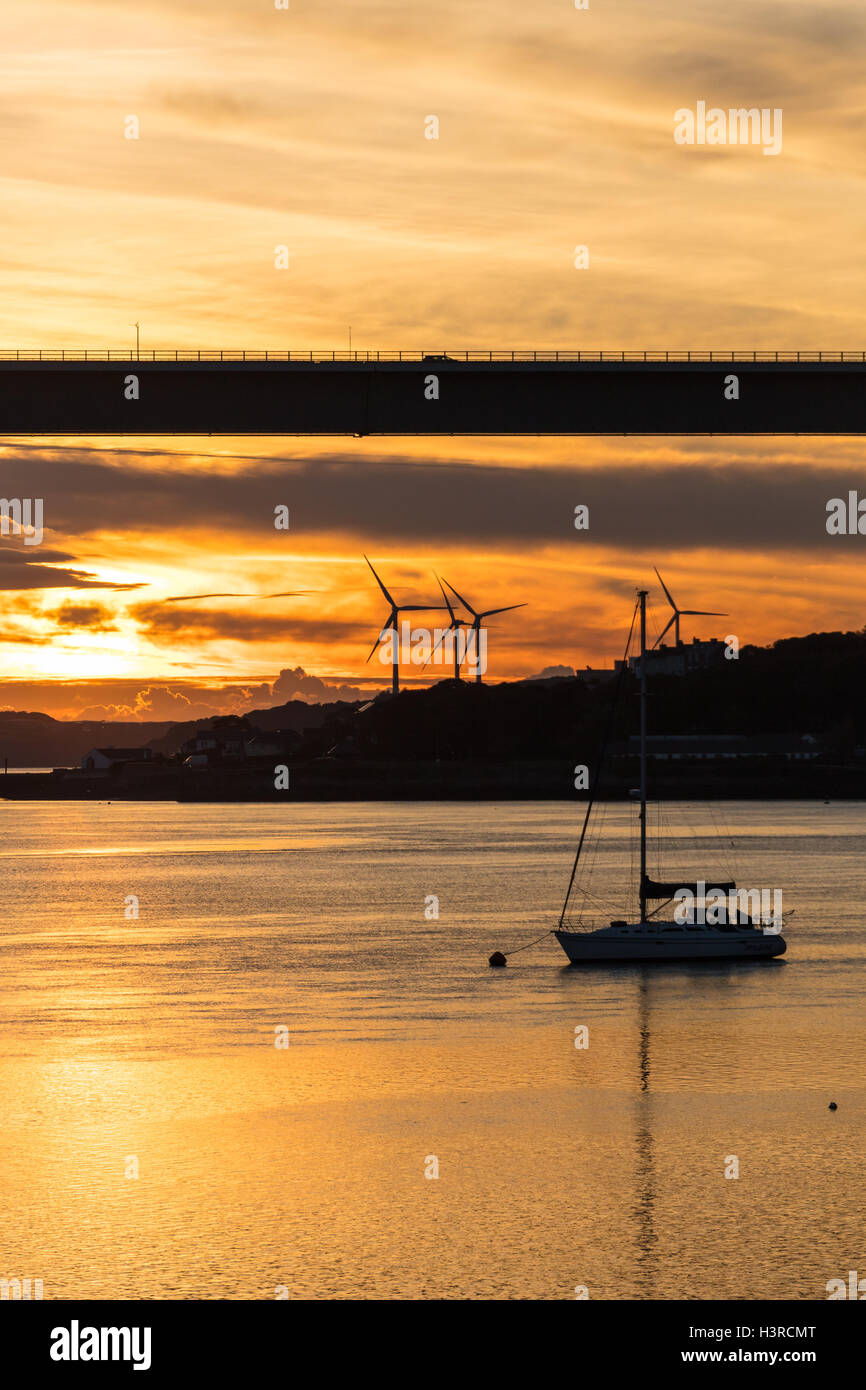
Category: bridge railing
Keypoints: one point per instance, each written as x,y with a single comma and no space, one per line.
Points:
462,355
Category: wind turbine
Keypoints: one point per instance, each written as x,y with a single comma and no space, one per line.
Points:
453,626
476,624
391,623
678,613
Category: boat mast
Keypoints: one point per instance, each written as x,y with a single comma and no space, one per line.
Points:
596,781
642,595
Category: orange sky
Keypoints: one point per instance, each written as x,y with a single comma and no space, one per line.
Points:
261,128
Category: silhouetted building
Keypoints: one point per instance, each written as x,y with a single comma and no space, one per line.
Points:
675,747
681,660
598,675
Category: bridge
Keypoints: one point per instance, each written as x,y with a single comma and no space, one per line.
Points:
431,393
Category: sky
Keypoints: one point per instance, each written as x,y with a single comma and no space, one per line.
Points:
305,128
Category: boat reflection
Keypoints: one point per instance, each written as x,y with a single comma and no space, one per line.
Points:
645,1178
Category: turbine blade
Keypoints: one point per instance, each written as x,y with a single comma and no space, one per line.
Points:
664,630
667,592
509,609
438,644
388,625
381,585
467,606
446,598
700,613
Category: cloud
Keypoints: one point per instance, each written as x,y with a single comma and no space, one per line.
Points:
166,624
160,702
18,636
177,702
188,598
83,615
739,506
556,125
25,569
297,684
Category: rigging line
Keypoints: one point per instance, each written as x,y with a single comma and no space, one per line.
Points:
718,850
513,952
597,778
659,908
658,843
597,899
725,843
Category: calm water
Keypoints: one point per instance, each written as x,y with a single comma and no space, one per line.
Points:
151,1039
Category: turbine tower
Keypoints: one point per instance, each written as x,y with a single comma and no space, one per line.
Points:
678,613
454,625
476,624
391,623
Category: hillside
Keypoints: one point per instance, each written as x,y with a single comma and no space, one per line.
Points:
804,691
30,739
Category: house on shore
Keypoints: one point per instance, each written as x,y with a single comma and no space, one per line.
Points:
107,759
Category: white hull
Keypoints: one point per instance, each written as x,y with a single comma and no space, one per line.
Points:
648,943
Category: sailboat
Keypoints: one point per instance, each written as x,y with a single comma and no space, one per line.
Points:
730,935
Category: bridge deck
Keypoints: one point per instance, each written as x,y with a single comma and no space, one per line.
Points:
363,356
431,393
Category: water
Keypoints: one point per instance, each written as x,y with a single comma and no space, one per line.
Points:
150,1040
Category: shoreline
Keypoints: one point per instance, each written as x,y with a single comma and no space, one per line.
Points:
475,780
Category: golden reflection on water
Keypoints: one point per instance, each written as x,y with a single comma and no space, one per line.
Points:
154,1040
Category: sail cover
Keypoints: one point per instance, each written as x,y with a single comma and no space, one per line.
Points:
652,889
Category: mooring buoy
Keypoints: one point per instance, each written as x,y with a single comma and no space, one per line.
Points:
497,958
832,1105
